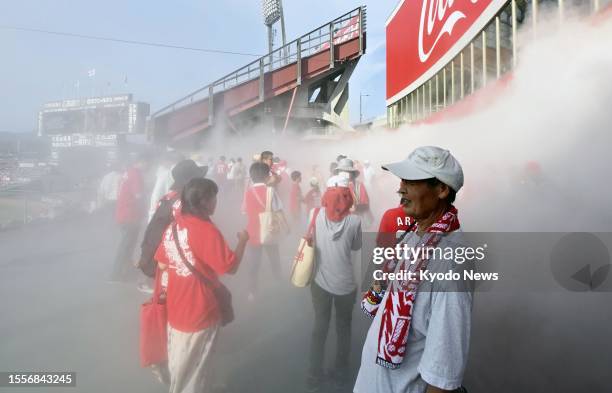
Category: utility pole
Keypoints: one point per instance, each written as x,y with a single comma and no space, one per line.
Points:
361,95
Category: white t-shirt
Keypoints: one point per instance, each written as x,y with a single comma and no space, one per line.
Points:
109,187
163,182
236,172
368,176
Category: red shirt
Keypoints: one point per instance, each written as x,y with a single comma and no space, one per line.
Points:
312,199
130,202
295,199
392,221
221,170
278,168
191,304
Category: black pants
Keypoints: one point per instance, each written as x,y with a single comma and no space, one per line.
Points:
322,302
124,260
255,256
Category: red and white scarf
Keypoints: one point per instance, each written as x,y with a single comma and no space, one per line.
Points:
397,309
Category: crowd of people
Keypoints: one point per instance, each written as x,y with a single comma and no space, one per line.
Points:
419,337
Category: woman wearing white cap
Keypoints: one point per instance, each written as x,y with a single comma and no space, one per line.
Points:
419,338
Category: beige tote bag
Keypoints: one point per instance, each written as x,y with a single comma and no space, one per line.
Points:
272,224
303,267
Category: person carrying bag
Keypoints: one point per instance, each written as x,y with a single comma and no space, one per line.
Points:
265,222
194,254
182,173
222,294
333,288
272,223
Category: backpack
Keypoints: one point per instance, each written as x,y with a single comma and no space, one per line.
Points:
153,235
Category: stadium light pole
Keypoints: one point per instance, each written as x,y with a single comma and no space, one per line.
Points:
282,20
272,13
361,95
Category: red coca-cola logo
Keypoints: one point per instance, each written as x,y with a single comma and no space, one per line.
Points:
437,19
423,34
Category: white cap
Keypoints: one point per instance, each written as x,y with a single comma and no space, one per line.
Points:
426,162
338,181
346,165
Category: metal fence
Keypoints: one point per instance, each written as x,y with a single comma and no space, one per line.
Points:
349,26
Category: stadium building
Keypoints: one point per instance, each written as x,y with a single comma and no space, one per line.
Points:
439,52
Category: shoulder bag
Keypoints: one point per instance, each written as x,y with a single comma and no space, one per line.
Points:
222,294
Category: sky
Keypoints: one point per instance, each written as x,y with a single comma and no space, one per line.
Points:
36,68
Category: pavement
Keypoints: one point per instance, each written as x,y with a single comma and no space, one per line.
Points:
59,313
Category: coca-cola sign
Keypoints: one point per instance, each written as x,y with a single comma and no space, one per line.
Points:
424,35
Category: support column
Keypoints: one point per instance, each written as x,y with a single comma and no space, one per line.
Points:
211,105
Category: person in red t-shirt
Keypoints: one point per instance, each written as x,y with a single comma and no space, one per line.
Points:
220,171
182,173
313,196
193,311
130,212
254,204
295,197
393,224
393,221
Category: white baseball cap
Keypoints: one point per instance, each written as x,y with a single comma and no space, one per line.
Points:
426,162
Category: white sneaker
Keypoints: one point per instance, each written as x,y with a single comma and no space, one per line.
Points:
144,288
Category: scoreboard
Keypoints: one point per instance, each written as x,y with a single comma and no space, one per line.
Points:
97,116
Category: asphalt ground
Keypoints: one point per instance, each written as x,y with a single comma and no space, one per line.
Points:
59,313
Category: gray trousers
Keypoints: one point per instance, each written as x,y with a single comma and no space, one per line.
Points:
322,302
